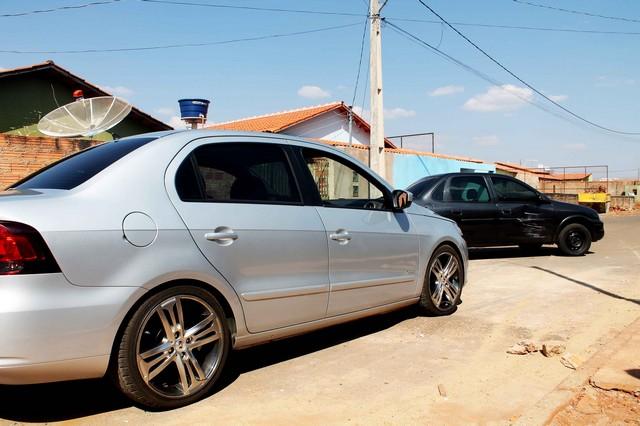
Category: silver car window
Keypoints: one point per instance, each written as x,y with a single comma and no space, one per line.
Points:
237,172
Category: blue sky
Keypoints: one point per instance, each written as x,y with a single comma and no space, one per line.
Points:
595,75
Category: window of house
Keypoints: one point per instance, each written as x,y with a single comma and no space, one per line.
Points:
237,172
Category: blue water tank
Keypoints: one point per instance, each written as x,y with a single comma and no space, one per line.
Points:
193,108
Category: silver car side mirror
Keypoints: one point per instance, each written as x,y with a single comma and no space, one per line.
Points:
401,199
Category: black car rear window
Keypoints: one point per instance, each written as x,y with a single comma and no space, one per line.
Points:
76,169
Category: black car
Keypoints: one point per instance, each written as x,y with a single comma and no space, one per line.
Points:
498,210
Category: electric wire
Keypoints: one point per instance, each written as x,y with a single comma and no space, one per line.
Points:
415,39
182,45
576,12
362,43
519,27
521,80
255,8
325,12
56,9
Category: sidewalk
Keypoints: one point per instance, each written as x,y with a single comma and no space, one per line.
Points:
604,390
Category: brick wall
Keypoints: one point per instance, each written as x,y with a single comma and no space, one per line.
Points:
23,155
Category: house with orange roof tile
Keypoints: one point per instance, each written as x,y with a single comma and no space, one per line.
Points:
330,124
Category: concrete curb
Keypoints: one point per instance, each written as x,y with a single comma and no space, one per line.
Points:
546,408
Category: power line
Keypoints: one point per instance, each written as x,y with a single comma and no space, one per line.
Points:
577,12
519,27
325,12
511,73
415,39
364,36
262,9
55,9
174,46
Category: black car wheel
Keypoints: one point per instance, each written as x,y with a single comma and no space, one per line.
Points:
574,240
443,281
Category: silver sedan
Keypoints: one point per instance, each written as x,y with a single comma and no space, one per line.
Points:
150,258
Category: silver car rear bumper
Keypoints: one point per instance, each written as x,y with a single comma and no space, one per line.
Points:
52,330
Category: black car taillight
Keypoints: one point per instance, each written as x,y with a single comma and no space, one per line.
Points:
23,251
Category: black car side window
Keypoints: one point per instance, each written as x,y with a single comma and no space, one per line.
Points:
469,189
509,190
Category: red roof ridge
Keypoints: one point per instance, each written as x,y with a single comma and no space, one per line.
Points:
271,114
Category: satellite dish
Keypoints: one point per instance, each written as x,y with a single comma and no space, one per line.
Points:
84,117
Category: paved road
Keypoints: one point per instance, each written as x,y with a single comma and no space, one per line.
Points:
388,369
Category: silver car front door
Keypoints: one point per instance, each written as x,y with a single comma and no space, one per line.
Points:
243,208
373,251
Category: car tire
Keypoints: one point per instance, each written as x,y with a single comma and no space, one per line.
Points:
530,247
440,298
162,371
574,239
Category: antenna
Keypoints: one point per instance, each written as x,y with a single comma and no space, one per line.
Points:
84,117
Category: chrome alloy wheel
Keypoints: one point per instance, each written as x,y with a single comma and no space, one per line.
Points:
444,281
179,346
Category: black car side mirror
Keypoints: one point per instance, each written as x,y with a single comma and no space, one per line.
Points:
543,199
401,199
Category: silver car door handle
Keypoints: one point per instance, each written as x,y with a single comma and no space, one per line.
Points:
221,236
341,236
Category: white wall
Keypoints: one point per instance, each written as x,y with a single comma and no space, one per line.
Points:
332,126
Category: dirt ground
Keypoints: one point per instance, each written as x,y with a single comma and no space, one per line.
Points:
595,406
404,368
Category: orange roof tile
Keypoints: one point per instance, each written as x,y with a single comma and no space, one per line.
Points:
278,122
516,168
566,176
275,122
401,151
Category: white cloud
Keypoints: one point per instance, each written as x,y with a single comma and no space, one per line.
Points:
166,111
507,97
313,92
394,113
558,98
490,140
575,146
389,113
118,90
446,90
177,123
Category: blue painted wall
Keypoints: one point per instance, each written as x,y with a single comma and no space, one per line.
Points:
408,168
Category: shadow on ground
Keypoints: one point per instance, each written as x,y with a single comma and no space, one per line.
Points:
634,372
72,400
587,285
510,252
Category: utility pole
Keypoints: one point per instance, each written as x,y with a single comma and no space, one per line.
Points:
376,141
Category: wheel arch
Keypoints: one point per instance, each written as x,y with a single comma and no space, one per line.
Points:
456,248
231,316
569,220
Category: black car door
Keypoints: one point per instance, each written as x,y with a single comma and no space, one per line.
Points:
469,202
524,216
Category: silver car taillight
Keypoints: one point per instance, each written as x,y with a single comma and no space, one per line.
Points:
23,251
